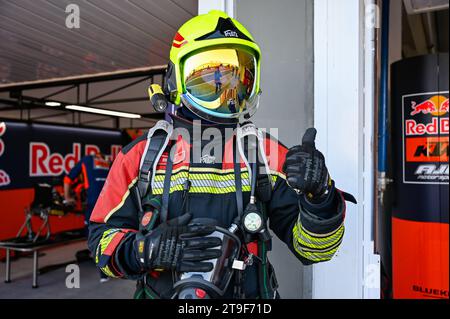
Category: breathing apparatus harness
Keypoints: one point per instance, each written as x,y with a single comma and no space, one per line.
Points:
251,221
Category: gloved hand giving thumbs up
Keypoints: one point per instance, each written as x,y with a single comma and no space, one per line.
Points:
305,167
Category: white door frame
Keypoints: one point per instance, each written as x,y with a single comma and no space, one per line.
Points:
344,118
228,6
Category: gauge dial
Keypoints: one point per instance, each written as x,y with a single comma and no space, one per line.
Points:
252,222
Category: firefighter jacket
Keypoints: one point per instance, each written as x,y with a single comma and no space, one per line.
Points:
313,232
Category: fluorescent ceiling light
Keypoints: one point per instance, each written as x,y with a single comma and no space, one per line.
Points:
55,104
102,111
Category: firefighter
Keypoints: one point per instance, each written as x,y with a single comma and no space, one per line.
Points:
294,191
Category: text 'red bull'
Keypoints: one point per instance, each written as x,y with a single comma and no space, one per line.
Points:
45,163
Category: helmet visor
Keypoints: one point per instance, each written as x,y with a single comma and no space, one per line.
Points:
220,82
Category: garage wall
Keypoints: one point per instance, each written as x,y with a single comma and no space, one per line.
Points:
284,31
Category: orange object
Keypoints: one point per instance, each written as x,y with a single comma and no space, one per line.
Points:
427,149
12,215
420,259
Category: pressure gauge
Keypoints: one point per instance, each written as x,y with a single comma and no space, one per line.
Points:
253,222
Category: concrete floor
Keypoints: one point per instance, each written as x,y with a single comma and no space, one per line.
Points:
53,284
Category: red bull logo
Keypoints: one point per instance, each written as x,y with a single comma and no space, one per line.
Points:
436,126
43,162
425,138
437,106
2,131
444,106
4,177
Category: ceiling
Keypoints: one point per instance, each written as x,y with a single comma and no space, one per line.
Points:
425,32
36,44
113,35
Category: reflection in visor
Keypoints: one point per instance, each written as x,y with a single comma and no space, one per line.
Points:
221,80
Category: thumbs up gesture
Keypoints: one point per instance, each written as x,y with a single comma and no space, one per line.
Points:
305,167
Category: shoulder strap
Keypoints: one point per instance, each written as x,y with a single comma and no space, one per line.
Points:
166,189
157,141
238,182
264,180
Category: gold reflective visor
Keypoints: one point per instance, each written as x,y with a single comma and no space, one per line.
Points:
220,82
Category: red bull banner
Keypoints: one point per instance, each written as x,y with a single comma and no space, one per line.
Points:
4,177
37,153
417,257
425,138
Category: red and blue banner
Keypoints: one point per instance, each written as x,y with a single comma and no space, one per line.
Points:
37,153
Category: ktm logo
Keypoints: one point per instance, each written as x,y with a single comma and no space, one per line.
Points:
431,149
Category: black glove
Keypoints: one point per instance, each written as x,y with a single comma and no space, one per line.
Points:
305,168
177,245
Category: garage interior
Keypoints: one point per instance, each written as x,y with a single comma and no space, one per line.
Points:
96,78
